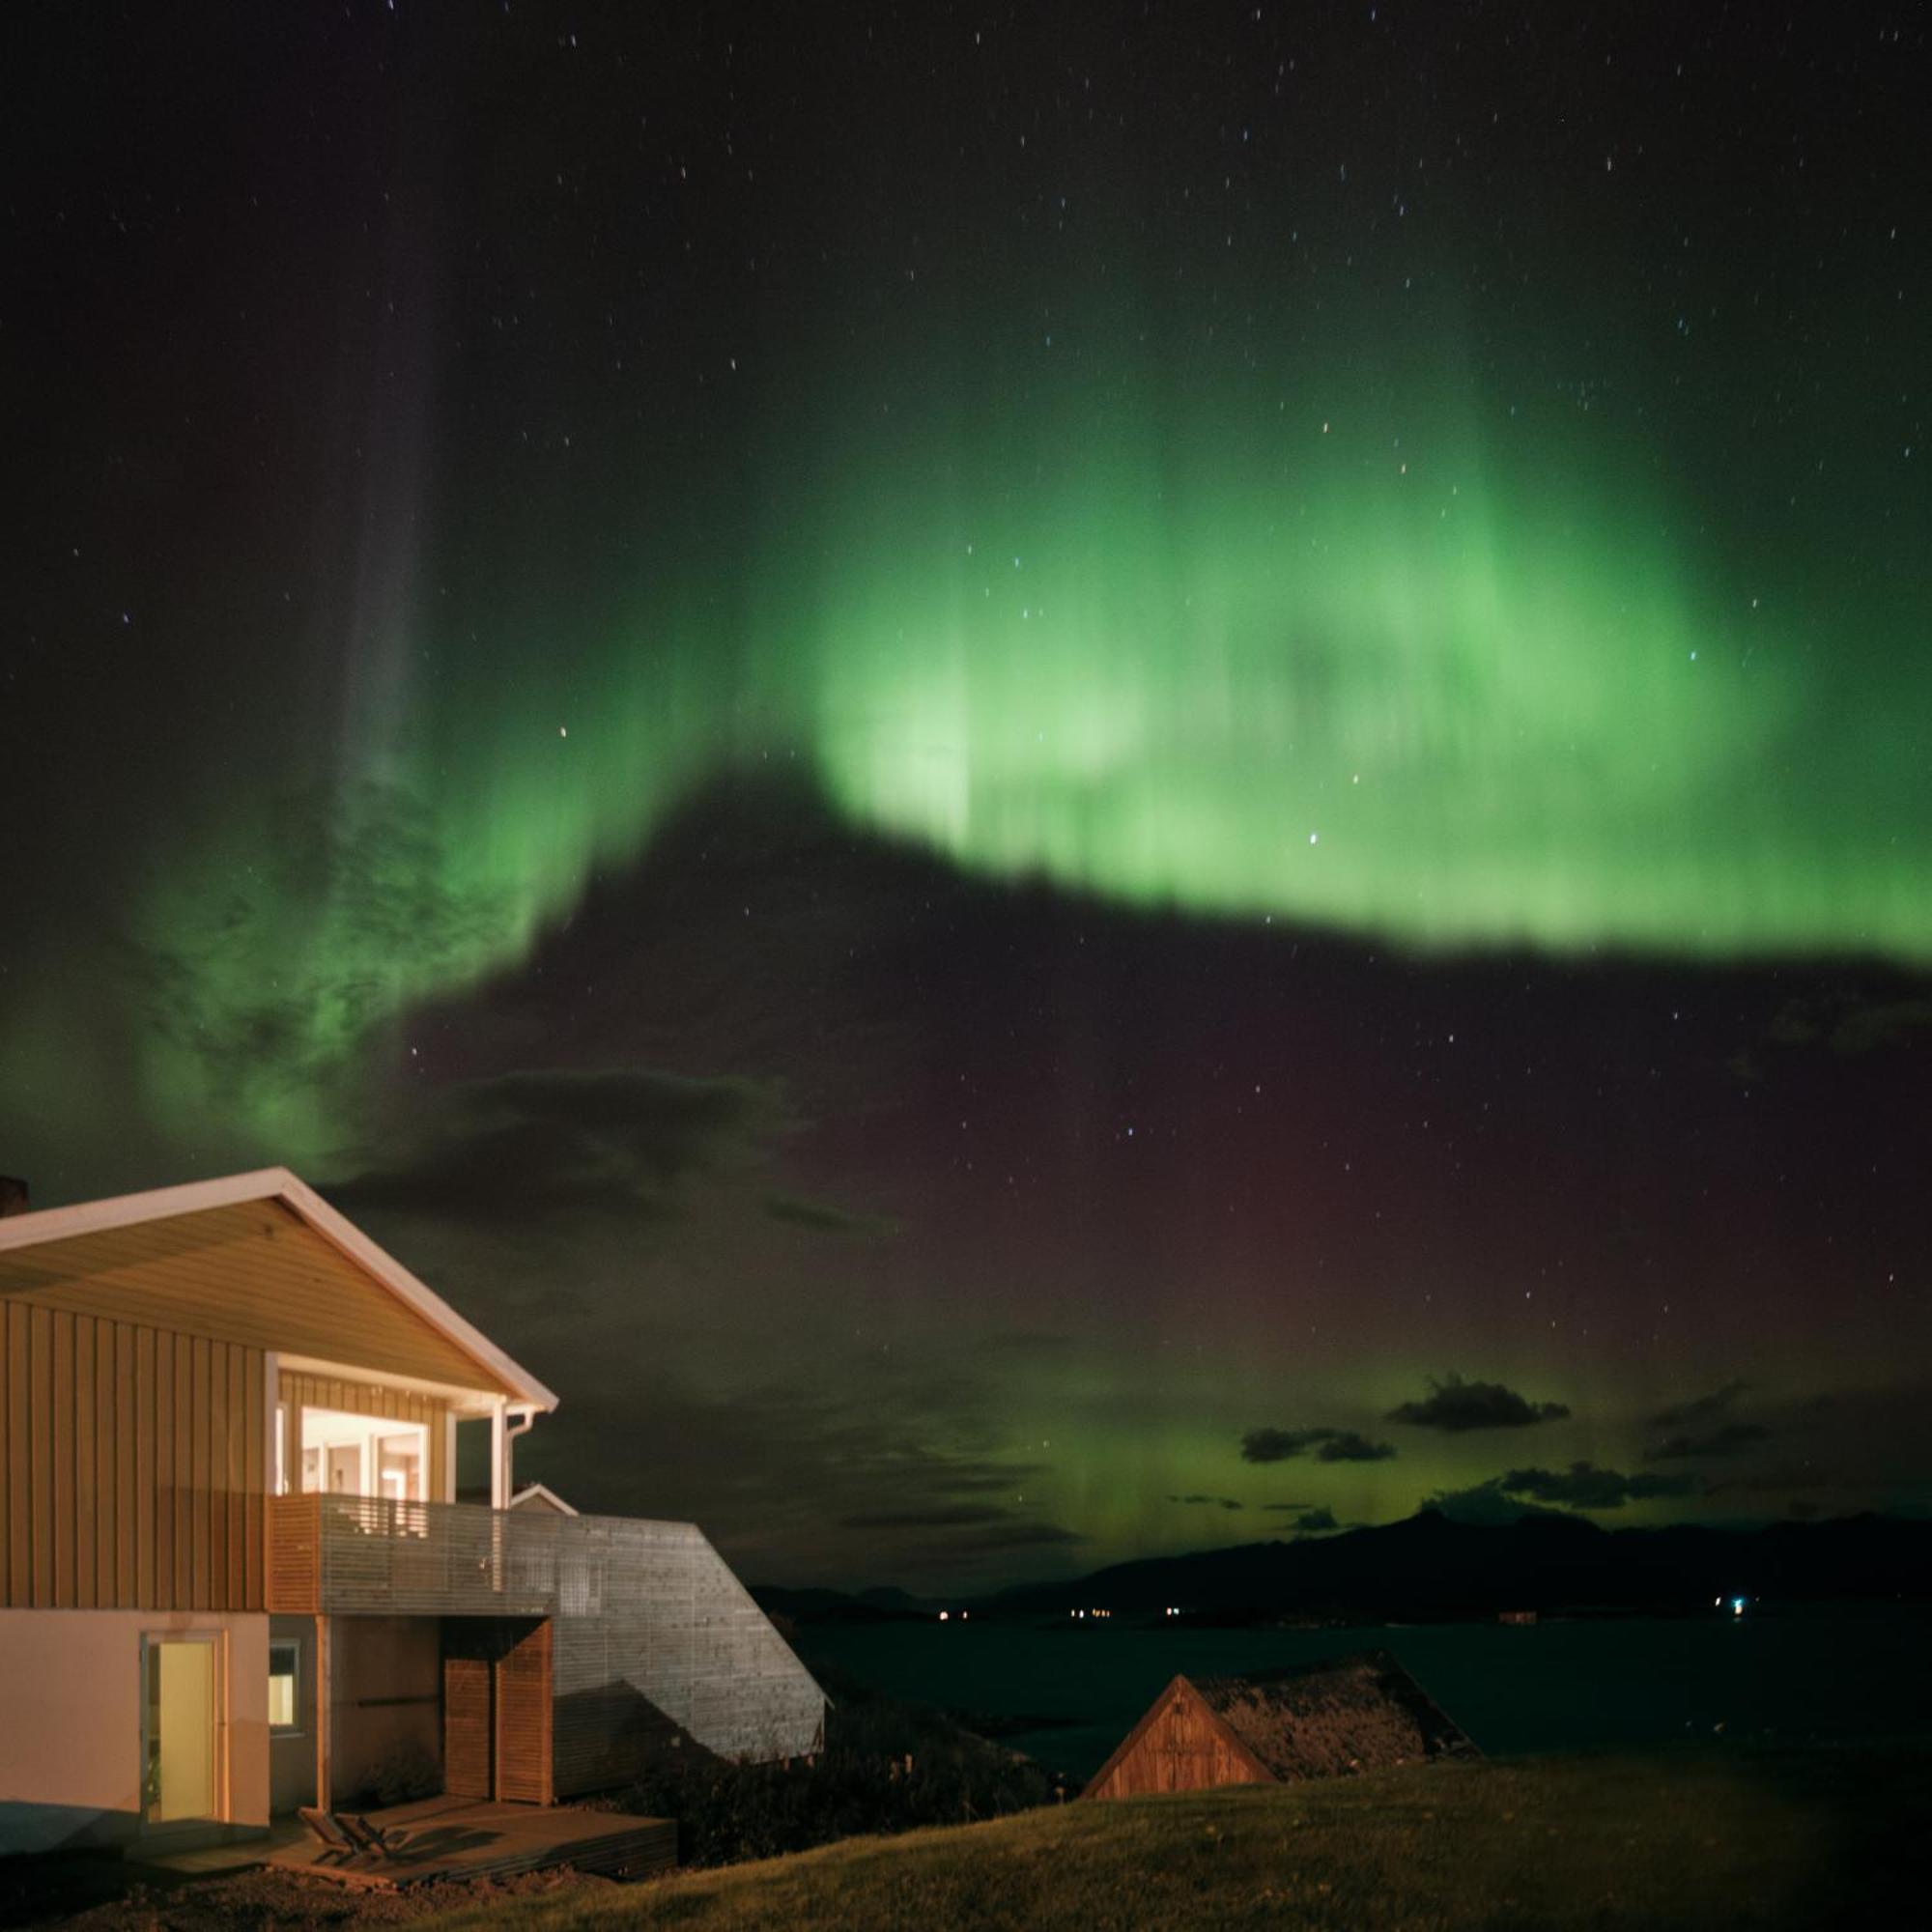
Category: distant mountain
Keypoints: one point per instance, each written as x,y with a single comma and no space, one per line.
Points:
1431,1566
888,1597
881,1604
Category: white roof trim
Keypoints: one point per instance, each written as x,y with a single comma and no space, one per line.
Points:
471,1403
277,1184
543,1490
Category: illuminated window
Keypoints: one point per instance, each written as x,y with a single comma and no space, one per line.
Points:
399,1467
345,1454
284,1675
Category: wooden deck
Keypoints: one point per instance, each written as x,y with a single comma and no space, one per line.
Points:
464,1837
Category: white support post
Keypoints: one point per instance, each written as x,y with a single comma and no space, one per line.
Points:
273,1465
324,1690
499,1459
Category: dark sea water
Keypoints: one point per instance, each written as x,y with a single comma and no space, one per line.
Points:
1549,1687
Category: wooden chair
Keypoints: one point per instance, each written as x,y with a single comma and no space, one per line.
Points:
366,1836
326,1828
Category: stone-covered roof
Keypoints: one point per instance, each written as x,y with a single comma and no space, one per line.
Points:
1329,1719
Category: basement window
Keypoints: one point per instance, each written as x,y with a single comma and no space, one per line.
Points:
284,1678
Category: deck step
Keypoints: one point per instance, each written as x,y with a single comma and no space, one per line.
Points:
498,1841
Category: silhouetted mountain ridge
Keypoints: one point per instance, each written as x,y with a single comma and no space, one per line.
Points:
1429,1565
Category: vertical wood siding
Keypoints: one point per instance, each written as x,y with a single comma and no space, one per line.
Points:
130,1466
1180,1745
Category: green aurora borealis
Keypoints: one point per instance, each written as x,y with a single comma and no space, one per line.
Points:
1386,658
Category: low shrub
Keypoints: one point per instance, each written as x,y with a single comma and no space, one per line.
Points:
404,1773
885,1767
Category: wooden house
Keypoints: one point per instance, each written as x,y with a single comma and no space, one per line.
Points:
1327,1719
234,1576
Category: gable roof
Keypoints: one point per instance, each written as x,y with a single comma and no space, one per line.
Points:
1180,1688
1345,1714
1327,1719
540,1495
277,1184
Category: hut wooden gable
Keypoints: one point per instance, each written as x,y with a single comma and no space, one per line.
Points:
1329,1719
1181,1745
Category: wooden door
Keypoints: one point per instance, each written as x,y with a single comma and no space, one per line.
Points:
523,1717
467,1725
496,1708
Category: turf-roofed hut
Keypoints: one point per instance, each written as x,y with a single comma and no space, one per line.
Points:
1329,1719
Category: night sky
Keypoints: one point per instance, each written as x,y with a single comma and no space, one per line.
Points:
1043,784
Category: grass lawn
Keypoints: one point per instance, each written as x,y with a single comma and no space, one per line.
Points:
1696,1839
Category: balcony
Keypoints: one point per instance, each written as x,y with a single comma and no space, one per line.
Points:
370,1556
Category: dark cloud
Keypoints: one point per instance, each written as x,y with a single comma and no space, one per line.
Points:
1703,1411
1869,1025
1314,1523
957,1515
1027,1341
990,1530
524,1147
1584,1485
824,1218
1218,1502
1521,1492
1485,1504
1705,1427
1454,1405
877,1470
1330,1445
1728,1439
1849,1025
1021,1535
1856,1448
241,985
1777,1479
990,1479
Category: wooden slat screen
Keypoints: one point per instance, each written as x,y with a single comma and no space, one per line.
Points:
665,1639
524,1717
467,1727
294,1555
131,1466
372,1557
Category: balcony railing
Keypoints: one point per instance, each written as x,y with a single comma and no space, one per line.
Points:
370,1556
